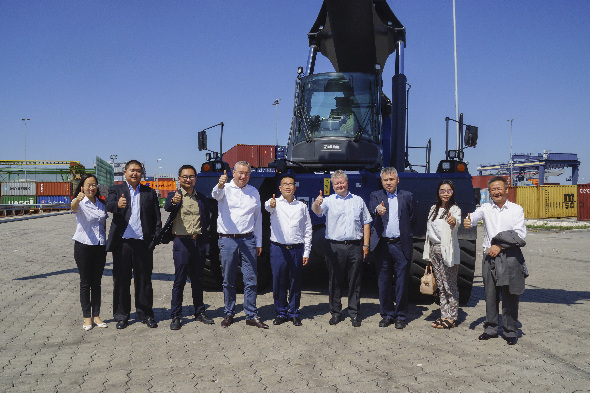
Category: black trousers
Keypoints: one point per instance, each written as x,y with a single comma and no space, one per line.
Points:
189,261
132,256
393,274
90,261
344,262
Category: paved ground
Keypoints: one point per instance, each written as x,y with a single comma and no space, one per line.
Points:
43,347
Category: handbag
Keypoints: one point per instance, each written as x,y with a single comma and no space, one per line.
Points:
427,282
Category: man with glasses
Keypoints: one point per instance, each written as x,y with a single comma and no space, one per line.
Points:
392,242
239,224
136,221
190,221
290,238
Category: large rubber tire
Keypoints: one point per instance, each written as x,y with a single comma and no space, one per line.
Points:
464,279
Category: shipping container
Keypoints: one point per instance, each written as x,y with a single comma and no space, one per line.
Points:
18,188
584,202
53,199
18,200
528,198
558,201
54,188
248,153
482,181
485,196
512,194
266,154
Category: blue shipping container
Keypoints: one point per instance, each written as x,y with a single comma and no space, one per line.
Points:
47,199
485,196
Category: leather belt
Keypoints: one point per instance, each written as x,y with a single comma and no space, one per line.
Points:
391,240
193,237
236,235
288,246
355,242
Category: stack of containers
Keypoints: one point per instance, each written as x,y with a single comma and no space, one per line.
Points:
50,193
18,193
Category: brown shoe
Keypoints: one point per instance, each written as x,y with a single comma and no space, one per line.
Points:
256,322
228,320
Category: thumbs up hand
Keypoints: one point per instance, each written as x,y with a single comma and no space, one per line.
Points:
381,209
273,202
467,221
177,197
222,180
318,201
122,203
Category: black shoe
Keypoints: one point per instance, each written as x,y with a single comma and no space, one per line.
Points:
400,323
355,322
150,322
511,340
202,317
385,322
122,324
279,320
485,336
175,324
296,321
335,319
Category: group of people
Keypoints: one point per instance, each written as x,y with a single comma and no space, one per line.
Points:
352,230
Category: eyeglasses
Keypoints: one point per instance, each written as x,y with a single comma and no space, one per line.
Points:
92,185
191,177
445,191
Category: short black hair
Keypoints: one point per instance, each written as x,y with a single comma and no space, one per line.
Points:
133,162
498,178
187,166
285,177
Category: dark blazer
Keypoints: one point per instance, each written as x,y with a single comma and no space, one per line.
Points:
406,219
151,222
166,234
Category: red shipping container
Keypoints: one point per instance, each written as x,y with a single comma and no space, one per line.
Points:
482,181
54,188
248,153
266,154
583,202
512,194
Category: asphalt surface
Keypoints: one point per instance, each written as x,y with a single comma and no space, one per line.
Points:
44,348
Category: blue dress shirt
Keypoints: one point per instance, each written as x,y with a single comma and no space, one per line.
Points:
392,229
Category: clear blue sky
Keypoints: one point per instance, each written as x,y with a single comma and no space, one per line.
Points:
140,78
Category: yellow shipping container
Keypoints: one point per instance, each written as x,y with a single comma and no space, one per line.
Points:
548,201
528,198
558,201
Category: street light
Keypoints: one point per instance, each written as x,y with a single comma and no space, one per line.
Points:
25,120
157,178
276,104
511,162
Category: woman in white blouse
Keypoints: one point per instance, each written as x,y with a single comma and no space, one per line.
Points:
442,249
89,247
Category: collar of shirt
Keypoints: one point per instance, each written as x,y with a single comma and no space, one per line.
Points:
282,198
131,189
349,195
390,195
184,193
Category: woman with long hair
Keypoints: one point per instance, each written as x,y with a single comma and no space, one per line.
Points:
89,247
442,249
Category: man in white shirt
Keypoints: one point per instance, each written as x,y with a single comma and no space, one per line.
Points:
290,236
503,267
239,224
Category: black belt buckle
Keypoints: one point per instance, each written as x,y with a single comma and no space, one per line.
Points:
392,240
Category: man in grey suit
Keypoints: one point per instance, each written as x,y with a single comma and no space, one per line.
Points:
392,243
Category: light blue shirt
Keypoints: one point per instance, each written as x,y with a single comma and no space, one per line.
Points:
392,229
345,217
133,230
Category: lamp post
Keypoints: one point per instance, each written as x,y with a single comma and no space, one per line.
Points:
276,104
25,120
157,178
511,162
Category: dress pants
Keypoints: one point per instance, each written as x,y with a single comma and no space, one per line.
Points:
232,251
286,264
189,261
391,263
344,261
132,255
90,261
492,295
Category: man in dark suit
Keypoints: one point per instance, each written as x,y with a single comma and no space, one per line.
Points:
136,221
392,243
189,220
